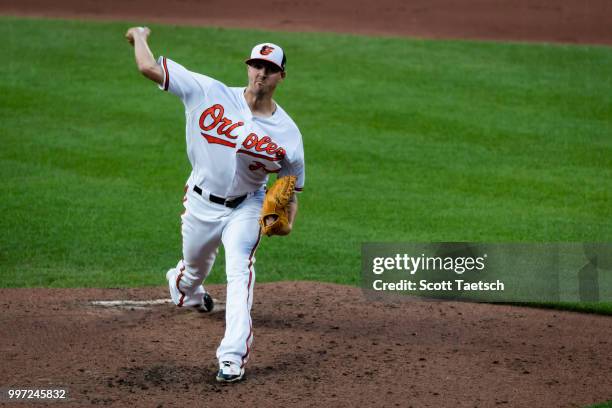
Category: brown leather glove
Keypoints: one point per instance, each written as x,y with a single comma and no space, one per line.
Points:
275,206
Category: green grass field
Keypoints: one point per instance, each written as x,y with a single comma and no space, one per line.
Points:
602,405
406,140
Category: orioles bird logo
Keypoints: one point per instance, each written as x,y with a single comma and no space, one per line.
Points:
266,50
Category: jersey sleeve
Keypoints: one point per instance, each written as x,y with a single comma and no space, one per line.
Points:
181,82
294,165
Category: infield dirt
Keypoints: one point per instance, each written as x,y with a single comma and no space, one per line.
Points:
568,21
315,344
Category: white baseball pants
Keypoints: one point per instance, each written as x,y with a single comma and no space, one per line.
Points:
206,225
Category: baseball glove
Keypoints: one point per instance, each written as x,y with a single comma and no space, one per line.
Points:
275,206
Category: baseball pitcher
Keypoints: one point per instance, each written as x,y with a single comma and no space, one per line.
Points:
236,137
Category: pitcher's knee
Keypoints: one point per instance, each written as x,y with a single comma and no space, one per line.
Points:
237,271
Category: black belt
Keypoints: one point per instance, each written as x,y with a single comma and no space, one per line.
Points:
233,203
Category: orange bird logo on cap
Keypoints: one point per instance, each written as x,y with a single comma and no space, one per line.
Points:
266,50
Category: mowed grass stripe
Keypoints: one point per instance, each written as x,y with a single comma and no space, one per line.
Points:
406,140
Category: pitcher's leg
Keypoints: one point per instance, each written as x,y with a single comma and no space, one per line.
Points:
201,241
240,239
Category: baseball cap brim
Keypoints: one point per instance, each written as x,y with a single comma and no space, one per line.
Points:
264,59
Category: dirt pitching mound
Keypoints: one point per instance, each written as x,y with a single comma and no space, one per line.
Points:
568,21
314,343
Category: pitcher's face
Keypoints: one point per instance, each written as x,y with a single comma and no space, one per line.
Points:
264,76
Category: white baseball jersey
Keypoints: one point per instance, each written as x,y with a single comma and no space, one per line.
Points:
231,151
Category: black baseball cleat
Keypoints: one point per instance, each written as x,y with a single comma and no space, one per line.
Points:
207,305
230,372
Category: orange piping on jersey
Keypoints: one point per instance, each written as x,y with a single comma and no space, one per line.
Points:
167,81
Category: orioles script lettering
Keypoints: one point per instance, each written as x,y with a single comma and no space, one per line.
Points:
213,119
